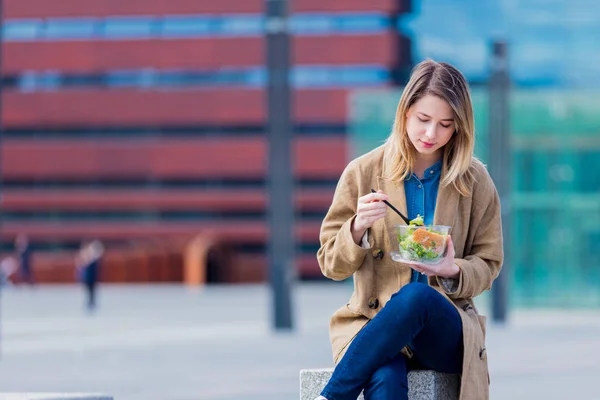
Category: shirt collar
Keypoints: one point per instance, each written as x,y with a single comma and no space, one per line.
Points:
434,170
430,172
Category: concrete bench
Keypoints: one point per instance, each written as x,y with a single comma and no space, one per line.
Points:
54,396
422,385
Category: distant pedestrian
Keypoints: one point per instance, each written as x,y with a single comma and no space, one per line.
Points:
88,261
8,266
23,253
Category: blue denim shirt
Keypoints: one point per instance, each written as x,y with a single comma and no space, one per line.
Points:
421,195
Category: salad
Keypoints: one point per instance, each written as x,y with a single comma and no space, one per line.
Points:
417,221
417,242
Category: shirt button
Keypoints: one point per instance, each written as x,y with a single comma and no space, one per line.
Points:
420,186
431,172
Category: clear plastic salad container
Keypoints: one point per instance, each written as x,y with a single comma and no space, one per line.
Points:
425,244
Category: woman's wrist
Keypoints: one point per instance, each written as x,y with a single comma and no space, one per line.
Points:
357,233
454,272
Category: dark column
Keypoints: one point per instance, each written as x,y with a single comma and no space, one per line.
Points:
280,179
500,166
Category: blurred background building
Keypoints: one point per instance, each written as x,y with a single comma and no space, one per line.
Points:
142,124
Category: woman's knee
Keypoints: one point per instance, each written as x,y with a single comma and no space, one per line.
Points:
414,293
389,373
389,380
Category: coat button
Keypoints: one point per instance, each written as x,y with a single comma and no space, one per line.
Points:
482,353
373,303
378,254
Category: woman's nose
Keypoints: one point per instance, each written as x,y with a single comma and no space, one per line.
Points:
431,131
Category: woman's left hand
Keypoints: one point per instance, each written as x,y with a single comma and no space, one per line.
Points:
446,268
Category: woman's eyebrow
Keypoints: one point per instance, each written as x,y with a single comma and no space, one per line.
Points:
427,116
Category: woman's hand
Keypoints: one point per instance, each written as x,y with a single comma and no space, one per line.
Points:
446,268
369,209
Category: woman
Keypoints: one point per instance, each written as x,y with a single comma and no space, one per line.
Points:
405,316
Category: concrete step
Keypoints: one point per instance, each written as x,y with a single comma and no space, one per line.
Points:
422,385
54,396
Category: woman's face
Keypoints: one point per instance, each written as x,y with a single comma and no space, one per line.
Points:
430,124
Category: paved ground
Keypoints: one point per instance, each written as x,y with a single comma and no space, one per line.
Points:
171,343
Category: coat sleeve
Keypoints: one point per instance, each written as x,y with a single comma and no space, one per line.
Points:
339,256
482,264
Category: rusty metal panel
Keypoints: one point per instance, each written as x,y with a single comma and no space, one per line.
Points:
189,158
102,56
234,232
131,107
383,6
104,8
76,8
377,48
165,199
208,53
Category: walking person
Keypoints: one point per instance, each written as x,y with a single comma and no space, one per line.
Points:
23,255
88,261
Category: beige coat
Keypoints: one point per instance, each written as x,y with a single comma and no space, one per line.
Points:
477,236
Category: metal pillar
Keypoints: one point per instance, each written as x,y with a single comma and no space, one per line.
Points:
1,132
280,178
500,166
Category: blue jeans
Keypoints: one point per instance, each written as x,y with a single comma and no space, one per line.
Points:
417,316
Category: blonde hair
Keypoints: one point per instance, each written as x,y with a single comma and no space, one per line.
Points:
446,82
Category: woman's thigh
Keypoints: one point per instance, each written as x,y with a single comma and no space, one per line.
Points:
439,344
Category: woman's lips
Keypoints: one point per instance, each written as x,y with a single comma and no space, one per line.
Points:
427,145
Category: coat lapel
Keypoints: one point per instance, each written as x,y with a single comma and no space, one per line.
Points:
446,206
